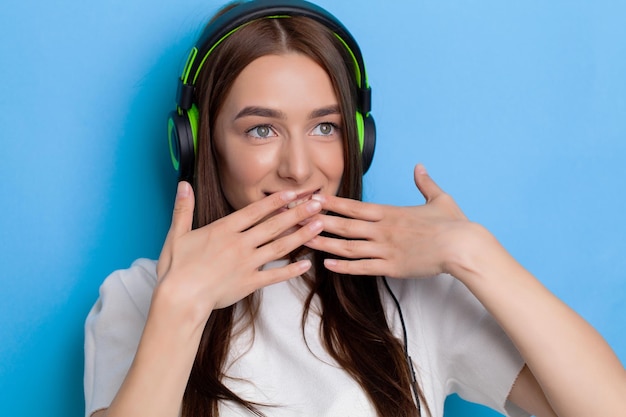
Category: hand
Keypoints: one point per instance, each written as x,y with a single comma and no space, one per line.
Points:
217,265
400,242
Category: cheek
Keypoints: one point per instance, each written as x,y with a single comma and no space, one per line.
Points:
249,165
333,166
241,174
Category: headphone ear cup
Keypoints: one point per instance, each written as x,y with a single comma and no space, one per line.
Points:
182,143
368,141
193,114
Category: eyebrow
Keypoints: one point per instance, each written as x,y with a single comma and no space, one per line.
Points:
277,114
324,111
260,111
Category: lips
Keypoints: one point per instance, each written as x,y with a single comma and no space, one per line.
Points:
299,201
302,198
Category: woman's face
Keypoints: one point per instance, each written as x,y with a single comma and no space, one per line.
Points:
279,129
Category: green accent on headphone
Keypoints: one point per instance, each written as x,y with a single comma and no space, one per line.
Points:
193,111
194,120
183,124
360,128
190,58
170,128
356,64
195,77
360,124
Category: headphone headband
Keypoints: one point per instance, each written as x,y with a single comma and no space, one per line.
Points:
249,11
184,121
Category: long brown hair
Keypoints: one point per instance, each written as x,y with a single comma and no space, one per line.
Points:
353,325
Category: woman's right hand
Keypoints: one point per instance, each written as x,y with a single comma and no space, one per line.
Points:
219,264
198,271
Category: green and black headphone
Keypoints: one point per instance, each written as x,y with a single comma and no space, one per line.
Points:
183,122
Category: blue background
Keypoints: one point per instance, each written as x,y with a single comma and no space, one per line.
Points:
517,108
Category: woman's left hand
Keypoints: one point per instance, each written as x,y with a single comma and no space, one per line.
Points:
399,242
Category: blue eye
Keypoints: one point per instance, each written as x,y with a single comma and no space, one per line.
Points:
325,129
261,132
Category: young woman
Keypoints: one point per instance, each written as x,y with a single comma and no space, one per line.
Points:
279,293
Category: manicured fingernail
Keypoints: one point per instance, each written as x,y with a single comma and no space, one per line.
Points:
183,189
288,195
316,226
313,206
304,264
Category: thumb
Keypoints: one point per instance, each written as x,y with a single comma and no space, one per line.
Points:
429,189
182,217
182,220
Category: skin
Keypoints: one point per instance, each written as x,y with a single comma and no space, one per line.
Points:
570,371
217,265
271,138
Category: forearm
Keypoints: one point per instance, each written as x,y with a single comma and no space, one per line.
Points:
156,381
577,370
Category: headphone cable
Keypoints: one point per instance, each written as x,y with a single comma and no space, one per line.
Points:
406,345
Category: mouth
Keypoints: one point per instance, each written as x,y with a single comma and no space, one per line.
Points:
302,198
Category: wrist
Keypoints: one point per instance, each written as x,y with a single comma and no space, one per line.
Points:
178,311
472,253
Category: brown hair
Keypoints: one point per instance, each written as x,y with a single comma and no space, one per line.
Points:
353,325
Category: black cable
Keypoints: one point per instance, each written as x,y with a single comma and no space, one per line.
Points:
406,345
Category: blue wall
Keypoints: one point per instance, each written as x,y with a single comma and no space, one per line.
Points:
517,108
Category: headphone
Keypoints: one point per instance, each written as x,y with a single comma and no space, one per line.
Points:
182,125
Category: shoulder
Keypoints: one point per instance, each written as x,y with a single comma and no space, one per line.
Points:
142,271
113,329
442,307
454,339
127,292
438,292
135,282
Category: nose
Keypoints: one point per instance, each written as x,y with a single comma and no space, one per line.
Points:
296,160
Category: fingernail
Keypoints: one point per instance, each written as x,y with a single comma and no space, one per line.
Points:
316,226
288,195
183,189
421,169
313,206
318,197
304,264
330,262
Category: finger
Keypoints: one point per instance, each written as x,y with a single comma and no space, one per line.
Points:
182,217
284,245
345,248
278,224
182,221
255,212
354,209
275,275
373,267
346,227
429,189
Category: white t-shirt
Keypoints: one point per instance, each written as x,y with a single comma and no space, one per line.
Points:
456,345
